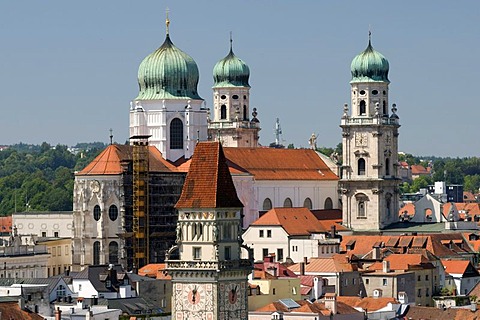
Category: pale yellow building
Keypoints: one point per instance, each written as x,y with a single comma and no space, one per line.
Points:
60,255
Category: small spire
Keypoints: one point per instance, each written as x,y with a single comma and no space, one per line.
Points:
167,21
231,42
369,36
111,136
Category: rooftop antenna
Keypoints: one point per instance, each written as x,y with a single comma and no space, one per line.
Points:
167,21
111,136
278,132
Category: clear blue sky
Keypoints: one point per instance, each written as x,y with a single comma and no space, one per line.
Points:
68,68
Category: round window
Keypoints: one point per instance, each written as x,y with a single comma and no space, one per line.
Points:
113,212
375,92
97,213
362,92
234,97
223,97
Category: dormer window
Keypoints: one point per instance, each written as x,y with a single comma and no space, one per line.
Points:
108,283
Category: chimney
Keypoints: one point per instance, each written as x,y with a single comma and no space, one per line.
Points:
376,253
386,266
331,302
58,314
333,231
317,287
268,258
302,268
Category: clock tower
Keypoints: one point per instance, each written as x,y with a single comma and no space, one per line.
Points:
369,184
209,278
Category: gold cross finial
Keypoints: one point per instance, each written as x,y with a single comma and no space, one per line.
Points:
167,21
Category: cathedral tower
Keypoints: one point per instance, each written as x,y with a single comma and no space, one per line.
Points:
231,124
209,279
168,107
369,182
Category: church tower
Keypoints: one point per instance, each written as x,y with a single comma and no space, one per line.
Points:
168,107
231,124
369,183
210,278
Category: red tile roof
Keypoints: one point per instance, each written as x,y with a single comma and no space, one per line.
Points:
11,310
403,262
367,303
295,221
109,161
280,164
155,270
429,313
6,224
419,169
208,183
336,263
456,266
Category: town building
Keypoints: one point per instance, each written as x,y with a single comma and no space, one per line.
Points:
55,224
369,182
291,234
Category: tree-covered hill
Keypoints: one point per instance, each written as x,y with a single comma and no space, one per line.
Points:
40,177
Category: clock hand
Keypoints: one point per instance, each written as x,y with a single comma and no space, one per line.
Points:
194,294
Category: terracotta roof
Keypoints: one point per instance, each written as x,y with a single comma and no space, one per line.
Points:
280,164
269,267
403,262
327,214
336,263
468,196
463,207
429,313
455,266
308,307
419,169
109,161
295,221
6,224
364,244
155,270
11,310
208,183
408,208
367,303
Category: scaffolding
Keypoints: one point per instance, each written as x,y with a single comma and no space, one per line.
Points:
140,221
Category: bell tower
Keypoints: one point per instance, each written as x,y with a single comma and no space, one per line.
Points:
210,278
369,184
231,123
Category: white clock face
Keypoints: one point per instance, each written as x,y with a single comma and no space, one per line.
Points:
361,139
194,295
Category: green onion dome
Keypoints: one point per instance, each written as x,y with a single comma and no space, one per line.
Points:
369,66
168,73
231,72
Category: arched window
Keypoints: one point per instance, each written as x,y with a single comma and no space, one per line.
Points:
96,253
223,112
328,204
97,213
176,134
245,115
287,203
363,108
113,252
361,210
361,167
307,203
388,200
267,204
387,166
385,111
113,212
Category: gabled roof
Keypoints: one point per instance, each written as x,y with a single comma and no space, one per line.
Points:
208,183
429,313
367,303
336,263
295,221
404,262
419,169
457,266
109,161
280,164
308,307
